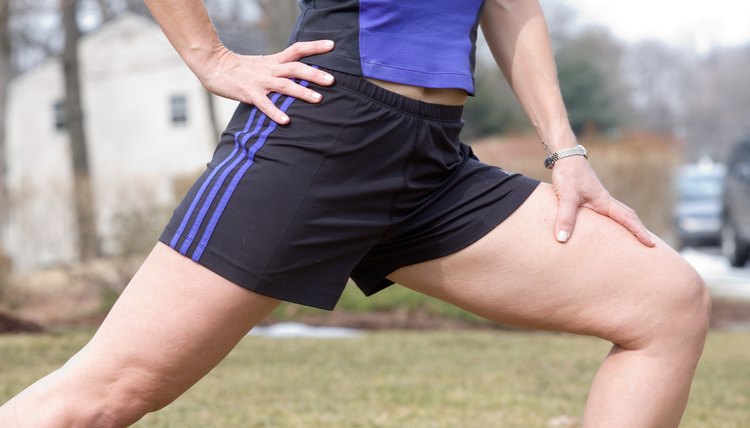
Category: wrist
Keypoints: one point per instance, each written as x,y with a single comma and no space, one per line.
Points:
203,60
553,141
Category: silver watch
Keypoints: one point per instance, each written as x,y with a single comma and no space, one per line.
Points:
578,150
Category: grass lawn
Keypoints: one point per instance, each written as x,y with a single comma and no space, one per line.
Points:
403,379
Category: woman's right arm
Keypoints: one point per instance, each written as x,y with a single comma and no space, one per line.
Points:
240,77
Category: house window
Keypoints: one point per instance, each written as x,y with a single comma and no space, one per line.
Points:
58,112
178,109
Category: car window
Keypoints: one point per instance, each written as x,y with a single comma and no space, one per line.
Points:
699,186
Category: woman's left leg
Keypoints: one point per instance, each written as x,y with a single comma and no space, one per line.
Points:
648,301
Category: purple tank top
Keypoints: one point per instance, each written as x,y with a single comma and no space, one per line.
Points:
429,43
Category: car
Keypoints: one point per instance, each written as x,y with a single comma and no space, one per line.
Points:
697,212
735,231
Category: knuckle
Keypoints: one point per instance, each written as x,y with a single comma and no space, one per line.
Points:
251,97
296,48
261,100
276,70
263,82
284,84
296,68
270,60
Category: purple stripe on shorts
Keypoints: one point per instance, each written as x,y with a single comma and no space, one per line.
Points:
222,178
197,197
236,179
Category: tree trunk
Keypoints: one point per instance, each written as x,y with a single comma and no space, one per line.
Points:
5,76
84,202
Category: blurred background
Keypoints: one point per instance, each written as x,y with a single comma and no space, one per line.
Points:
103,128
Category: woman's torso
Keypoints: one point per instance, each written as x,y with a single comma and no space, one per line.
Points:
445,96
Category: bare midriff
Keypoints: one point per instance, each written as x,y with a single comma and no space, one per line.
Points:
445,96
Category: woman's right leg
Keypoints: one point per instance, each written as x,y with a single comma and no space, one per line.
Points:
172,324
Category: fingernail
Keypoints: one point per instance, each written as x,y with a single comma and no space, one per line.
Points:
284,119
328,78
562,235
328,43
317,96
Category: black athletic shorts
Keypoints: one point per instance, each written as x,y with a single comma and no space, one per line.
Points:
357,186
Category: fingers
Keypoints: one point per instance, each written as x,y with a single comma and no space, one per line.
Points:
576,186
625,215
303,49
297,70
286,69
251,78
283,86
289,87
567,210
265,105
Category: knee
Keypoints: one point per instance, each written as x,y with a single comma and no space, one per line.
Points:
677,313
107,397
690,307
129,396
685,309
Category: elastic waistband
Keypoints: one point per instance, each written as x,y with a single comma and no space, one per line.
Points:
397,101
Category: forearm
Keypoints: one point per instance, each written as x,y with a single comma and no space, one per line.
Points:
188,27
517,35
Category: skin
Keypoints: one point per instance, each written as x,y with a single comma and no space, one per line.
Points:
654,310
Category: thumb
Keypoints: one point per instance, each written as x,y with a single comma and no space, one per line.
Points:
566,219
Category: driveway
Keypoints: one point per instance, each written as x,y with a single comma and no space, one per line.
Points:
723,280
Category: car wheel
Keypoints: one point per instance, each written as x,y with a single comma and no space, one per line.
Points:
732,246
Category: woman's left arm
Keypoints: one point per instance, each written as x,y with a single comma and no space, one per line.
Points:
517,35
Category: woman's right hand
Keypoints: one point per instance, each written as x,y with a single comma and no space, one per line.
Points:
250,79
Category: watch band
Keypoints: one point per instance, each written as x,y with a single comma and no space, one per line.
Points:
578,150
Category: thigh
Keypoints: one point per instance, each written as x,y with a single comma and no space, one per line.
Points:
172,324
597,282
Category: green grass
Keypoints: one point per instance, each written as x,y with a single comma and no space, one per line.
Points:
403,379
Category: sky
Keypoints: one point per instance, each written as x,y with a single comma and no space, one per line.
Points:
689,23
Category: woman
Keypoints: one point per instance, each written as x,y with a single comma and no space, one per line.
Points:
349,164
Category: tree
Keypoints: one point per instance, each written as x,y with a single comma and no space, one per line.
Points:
716,102
584,90
83,196
657,74
590,81
494,110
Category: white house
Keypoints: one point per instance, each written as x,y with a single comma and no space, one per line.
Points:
147,123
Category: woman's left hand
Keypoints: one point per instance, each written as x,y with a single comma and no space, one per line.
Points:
576,185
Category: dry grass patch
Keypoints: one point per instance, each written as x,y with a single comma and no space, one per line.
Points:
636,169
